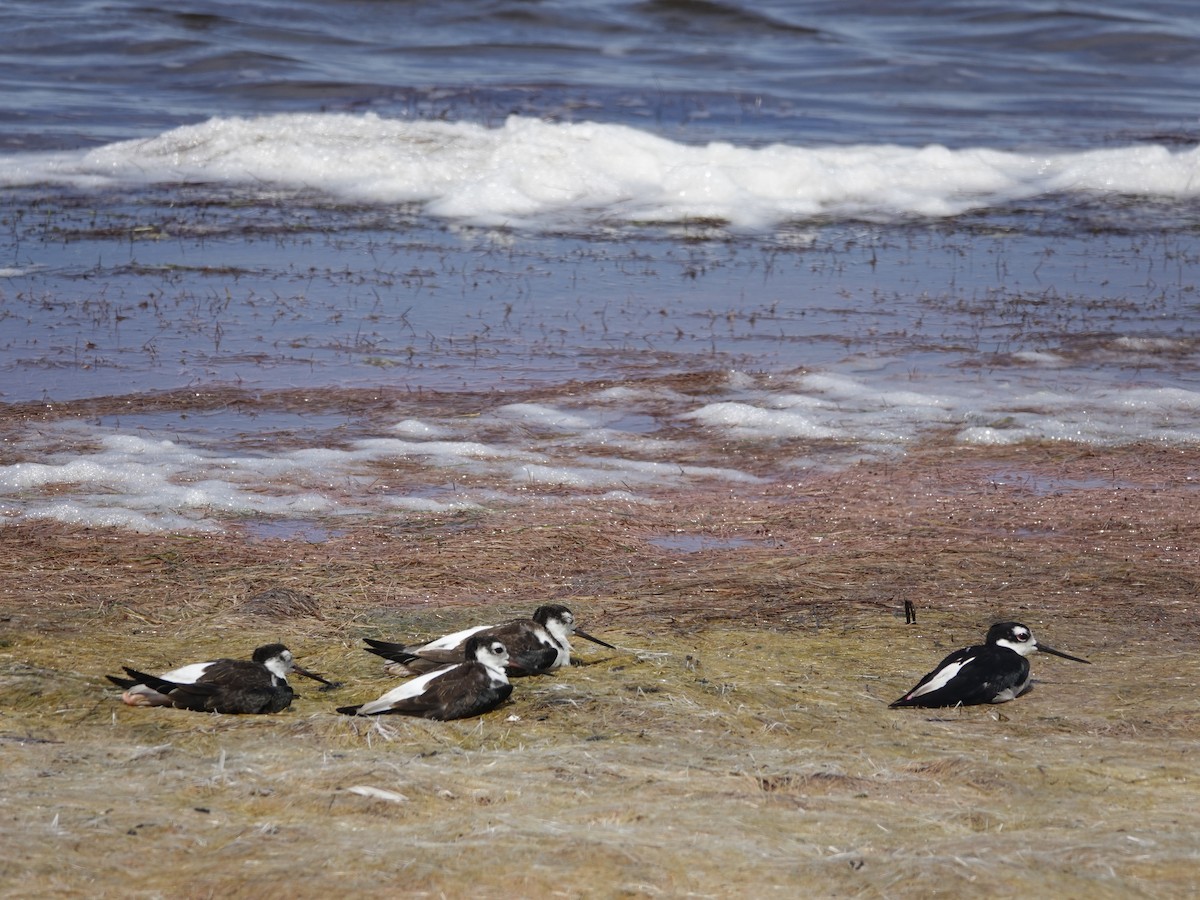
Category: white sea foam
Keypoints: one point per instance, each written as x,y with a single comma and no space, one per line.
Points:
625,443
532,172
749,420
138,482
145,484
415,428
94,516
547,417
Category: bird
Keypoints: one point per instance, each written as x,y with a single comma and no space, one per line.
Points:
256,685
993,672
469,688
535,645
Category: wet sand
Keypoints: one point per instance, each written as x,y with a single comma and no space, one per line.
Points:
740,741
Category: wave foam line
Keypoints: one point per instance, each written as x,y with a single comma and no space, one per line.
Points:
530,172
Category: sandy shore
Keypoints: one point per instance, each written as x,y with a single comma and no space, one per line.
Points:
740,741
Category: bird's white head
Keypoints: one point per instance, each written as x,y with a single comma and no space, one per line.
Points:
276,658
1014,636
489,651
1020,639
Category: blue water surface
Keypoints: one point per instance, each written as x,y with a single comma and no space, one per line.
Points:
957,72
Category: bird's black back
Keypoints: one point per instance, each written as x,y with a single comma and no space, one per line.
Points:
528,652
991,671
227,686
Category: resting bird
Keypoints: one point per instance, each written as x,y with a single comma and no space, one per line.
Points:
256,685
536,645
994,672
468,688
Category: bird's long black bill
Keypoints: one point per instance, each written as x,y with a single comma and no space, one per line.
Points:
300,670
1044,649
594,640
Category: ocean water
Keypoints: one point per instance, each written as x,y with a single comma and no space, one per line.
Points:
600,250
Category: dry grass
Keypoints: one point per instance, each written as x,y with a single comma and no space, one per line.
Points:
740,743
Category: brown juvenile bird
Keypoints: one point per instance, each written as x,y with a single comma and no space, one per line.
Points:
468,688
535,645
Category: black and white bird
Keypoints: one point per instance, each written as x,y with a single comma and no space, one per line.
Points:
255,685
993,672
535,645
469,688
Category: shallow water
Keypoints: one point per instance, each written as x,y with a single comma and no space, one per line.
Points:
680,542
427,309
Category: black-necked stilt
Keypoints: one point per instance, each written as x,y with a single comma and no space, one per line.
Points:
256,685
468,688
993,672
535,645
